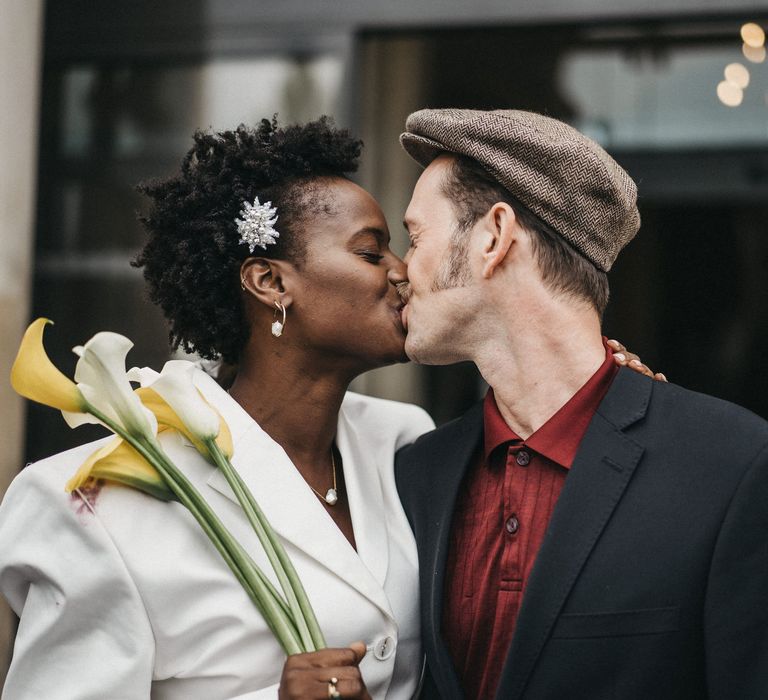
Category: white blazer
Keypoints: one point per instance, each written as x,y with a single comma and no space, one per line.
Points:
122,597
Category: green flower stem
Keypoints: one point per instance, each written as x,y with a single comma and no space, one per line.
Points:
260,526
271,588
295,594
272,609
281,625
266,599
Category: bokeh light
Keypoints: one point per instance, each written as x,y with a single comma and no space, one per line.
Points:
737,74
755,54
729,94
753,34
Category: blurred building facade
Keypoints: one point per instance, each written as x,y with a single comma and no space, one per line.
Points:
122,86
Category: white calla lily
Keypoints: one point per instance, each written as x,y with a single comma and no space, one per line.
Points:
176,385
102,380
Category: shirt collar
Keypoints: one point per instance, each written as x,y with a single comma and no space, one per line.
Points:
559,438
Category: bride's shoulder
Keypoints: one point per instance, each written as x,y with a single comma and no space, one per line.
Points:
51,473
381,415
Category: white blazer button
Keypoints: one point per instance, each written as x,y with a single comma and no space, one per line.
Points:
384,648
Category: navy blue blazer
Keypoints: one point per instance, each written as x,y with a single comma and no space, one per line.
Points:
652,580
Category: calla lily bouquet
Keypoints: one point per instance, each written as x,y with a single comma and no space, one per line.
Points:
102,393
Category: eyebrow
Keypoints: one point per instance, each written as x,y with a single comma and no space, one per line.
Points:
382,235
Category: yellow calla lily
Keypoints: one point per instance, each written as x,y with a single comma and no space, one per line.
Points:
167,417
224,439
118,461
35,377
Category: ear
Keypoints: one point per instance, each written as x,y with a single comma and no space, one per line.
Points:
500,229
266,280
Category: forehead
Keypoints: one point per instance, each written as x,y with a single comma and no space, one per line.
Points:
428,193
344,209
343,199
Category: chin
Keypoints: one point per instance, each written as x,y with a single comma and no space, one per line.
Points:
426,353
415,352
385,356
396,358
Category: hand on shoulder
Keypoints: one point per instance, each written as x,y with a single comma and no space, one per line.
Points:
625,358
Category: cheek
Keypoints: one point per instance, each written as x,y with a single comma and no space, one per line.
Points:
346,299
419,268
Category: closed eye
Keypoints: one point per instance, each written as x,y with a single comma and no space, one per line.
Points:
412,237
371,256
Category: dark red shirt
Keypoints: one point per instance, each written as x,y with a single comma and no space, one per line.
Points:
501,515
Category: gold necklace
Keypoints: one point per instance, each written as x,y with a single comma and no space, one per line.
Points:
331,495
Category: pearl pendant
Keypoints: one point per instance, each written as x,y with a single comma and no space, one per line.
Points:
331,497
277,329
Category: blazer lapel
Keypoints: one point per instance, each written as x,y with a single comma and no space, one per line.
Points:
600,473
452,460
366,500
295,512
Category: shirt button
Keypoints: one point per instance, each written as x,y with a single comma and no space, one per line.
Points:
512,525
384,648
523,458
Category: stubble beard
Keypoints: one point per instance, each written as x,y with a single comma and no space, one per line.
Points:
454,269
452,273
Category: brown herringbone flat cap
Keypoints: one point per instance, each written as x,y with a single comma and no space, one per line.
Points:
562,176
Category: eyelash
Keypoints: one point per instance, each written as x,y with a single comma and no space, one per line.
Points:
372,257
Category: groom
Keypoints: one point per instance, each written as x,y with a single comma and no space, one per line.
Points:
584,532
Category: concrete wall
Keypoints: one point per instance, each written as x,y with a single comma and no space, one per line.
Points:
20,53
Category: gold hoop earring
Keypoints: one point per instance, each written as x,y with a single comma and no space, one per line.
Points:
277,326
242,283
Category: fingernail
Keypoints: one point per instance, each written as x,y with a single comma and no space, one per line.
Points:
663,377
620,356
635,362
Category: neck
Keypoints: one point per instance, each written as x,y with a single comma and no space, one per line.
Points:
294,403
536,366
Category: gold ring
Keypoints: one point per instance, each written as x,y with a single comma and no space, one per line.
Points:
332,692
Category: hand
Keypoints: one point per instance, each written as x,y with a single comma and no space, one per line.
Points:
307,676
624,358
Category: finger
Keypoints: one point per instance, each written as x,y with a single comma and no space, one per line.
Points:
631,357
660,377
323,658
327,672
352,688
616,345
620,358
360,649
640,367
347,680
319,678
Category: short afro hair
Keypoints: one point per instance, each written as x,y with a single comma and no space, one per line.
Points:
192,259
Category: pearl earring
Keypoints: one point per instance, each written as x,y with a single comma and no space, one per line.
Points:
277,326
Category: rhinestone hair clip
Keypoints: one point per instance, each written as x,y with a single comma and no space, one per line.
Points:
256,228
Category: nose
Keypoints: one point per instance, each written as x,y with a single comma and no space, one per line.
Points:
398,271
